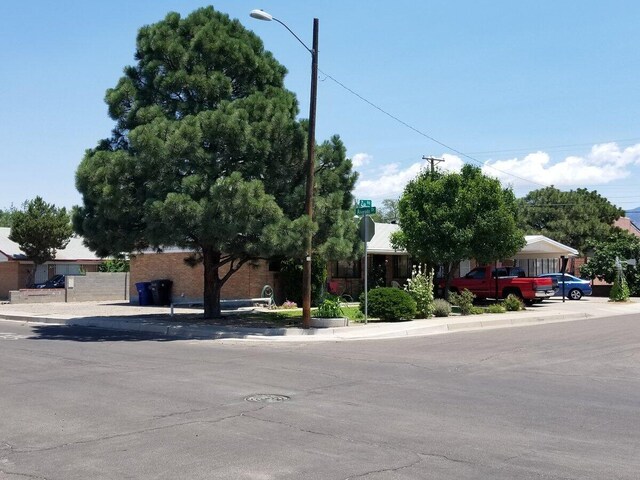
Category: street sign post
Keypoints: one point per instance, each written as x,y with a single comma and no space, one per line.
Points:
367,229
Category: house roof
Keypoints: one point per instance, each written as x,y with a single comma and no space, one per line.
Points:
627,224
538,246
74,251
380,244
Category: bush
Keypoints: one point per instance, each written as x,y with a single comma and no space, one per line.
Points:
495,308
288,305
330,307
620,290
513,303
441,308
463,300
476,310
390,304
420,287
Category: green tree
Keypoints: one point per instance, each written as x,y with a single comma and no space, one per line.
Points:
449,217
387,212
578,218
40,229
5,217
112,265
207,154
602,264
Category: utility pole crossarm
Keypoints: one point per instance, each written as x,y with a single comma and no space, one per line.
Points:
433,162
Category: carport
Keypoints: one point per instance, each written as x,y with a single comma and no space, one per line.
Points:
542,255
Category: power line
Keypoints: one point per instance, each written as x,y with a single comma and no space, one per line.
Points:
549,147
419,132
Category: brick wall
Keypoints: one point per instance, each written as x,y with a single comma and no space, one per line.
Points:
8,278
187,281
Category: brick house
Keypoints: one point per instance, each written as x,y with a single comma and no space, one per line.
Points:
188,282
540,255
15,268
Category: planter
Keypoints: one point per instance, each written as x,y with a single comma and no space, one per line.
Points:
321,322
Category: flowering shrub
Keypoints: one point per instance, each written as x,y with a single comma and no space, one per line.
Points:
420,287
288,305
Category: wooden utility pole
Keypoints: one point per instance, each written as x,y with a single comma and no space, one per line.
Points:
433,162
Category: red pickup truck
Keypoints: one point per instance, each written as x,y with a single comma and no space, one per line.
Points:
484,283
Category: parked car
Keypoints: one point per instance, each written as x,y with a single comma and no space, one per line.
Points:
57,281
486,282
574,288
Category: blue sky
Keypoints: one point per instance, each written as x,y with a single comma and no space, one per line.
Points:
539,92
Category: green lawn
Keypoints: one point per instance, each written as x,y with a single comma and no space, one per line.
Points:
293,317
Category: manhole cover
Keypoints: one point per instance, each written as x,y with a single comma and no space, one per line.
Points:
267,398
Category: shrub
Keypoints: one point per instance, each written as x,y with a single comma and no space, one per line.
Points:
476,310
463,300
495,308
620,290
330,307
288,305
390,304
441,308
420,287
513,303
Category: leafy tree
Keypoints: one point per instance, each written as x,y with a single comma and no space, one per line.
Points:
114,265
388,212
207,154
449,217
40,229
5,218
602,264
578,218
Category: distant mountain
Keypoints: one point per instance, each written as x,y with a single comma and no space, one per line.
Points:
634,215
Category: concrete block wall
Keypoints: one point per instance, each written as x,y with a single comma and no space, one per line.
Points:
98,286
188,282
37,295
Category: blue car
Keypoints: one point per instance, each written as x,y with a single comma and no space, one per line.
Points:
574,288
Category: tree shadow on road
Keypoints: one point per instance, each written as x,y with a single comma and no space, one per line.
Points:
91,334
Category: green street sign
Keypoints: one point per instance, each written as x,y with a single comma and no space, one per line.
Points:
364,203
365,210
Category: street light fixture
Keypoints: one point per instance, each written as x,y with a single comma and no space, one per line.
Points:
308,204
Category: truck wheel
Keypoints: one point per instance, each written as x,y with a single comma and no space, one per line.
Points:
574,294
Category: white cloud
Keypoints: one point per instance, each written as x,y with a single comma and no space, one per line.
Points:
391,180
360,159
605,163
389,183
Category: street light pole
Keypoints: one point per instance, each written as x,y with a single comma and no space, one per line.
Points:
311,163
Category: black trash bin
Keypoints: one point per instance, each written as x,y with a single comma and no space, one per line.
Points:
161,291
144,293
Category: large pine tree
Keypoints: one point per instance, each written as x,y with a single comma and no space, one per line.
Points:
207,154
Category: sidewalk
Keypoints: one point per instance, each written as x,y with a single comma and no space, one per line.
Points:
184,325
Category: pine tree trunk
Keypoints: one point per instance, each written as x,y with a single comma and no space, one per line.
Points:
212,283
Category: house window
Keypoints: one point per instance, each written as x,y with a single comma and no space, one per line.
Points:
348,269
402,266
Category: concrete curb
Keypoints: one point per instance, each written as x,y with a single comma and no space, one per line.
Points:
360,332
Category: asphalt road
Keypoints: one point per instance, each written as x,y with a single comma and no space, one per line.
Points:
558,401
